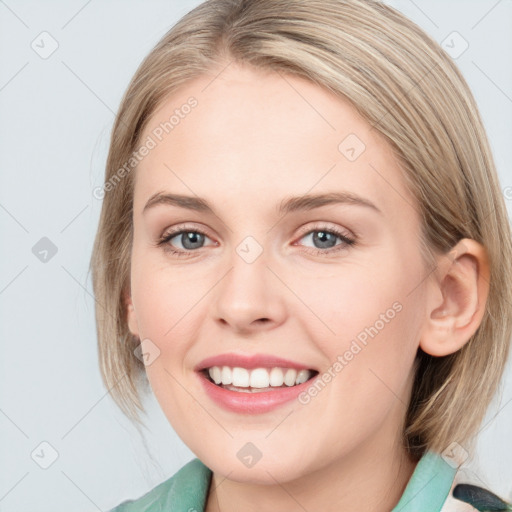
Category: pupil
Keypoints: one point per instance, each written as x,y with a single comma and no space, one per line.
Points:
192,238
320,238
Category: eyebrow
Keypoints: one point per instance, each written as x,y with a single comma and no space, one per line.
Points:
288,205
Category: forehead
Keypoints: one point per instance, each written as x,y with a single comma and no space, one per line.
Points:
264,134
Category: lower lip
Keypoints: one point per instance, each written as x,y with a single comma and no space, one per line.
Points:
251,403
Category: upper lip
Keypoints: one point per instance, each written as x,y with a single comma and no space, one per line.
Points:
249,362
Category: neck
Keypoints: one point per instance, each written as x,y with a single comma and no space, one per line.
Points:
373,479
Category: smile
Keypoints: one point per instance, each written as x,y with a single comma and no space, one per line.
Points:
257,379
253,384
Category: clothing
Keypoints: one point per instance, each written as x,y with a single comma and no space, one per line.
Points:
428,490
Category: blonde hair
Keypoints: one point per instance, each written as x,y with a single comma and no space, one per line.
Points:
408,89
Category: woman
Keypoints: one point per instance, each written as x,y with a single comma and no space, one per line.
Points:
336,335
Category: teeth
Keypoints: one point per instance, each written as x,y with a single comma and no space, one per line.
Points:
225,375
276,377
258,377
302,376
290,376
215,374
240,377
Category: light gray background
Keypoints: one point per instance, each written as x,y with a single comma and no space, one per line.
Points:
56,114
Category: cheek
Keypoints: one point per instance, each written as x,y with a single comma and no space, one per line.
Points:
157,307
345,303
169,310
366,322
368,376
166,299
171,307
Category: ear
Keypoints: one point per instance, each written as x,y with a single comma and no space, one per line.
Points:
131,316
456,298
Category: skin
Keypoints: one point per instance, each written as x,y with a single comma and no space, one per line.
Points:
254,139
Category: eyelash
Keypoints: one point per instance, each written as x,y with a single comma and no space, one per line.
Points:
347,241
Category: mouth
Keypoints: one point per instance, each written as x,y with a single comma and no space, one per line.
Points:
253,383
257,380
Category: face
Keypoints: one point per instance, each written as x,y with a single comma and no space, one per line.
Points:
259,280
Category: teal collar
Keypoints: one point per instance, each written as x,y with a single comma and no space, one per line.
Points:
428,486
426,490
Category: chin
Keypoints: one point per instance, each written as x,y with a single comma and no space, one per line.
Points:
265,471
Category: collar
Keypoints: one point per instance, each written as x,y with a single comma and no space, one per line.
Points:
426,490
429,485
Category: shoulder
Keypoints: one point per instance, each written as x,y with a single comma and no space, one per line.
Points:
186,489
467,495
430,488
452,504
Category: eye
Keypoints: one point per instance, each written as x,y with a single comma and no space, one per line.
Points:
325,240
189,239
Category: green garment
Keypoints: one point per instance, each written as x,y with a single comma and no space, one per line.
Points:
187,490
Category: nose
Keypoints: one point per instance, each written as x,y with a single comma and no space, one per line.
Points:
249,297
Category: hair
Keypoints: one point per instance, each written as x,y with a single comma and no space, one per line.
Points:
408,89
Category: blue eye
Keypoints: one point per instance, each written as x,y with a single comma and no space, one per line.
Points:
326,239
193,239
189,239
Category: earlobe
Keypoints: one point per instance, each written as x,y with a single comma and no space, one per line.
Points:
456,298
131,317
